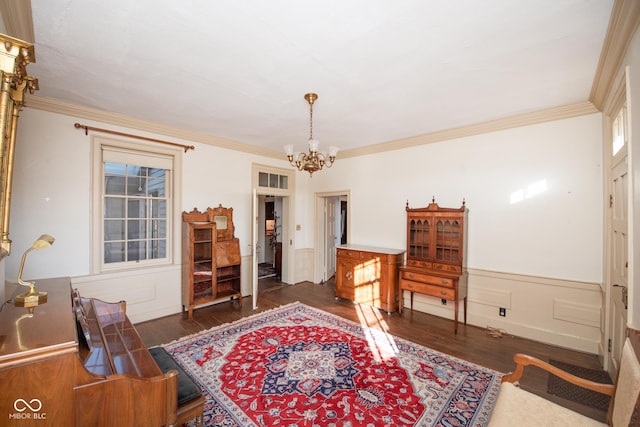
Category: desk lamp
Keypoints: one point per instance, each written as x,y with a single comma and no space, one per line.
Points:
32,297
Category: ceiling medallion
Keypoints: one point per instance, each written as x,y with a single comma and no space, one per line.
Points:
311,161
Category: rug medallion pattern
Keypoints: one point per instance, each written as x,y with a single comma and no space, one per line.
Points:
299,366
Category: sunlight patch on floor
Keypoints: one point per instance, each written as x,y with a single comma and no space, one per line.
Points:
381,342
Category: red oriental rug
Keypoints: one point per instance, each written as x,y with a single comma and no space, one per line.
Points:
299,366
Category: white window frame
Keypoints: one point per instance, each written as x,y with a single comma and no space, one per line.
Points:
137,152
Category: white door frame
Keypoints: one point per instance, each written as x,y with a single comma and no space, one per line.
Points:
320,235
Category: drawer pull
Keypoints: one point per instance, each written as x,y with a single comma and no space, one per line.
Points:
444,282
410,275
410,286
443,292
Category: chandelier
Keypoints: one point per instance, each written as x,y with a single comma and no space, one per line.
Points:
311,161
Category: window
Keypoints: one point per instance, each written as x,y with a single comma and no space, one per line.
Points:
134,207
619,130
135,213
273,180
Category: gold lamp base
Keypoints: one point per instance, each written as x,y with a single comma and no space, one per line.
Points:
31,298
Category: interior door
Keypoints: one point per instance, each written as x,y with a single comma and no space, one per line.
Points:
254,248
619,262
618,239
330,237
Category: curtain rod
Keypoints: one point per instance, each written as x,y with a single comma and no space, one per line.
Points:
113,132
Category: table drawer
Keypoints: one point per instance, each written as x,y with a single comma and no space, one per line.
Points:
435,291
426,278
419,264
347,253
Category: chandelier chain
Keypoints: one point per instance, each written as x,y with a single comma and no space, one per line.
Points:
311,120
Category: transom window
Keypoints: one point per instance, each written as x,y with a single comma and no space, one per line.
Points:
273,180
619,130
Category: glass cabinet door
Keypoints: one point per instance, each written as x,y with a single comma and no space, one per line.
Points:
202,263
419,238
448,241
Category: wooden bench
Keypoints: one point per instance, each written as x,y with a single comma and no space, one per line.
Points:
190,399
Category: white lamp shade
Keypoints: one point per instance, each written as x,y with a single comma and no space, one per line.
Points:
288,149
313,145
333,150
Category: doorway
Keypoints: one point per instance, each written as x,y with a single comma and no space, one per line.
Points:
332,230
269,249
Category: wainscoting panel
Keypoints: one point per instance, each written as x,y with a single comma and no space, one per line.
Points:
149,293
560,312
571,311
304,265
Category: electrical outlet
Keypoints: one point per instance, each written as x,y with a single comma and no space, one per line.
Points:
503,312
444,301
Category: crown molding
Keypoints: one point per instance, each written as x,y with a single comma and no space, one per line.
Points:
18,20
117,119
565,112
623,23
60,107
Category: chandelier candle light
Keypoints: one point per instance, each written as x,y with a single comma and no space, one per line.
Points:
311,161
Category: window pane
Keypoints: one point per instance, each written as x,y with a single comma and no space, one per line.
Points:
158,229
284,184
114,252
158,248
136,250
113,230
114,185
156,187
115,168
158,209
136,185
137,208
136,229
273,180
114,207
619,128
263,179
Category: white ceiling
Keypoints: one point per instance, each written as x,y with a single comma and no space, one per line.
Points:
384,70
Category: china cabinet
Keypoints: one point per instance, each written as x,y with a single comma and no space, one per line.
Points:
210,258
435,265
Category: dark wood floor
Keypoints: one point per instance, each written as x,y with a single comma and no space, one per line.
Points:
471,343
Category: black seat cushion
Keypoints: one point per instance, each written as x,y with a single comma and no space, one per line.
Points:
187,388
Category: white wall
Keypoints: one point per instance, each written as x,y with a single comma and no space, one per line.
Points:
540,258
557,233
